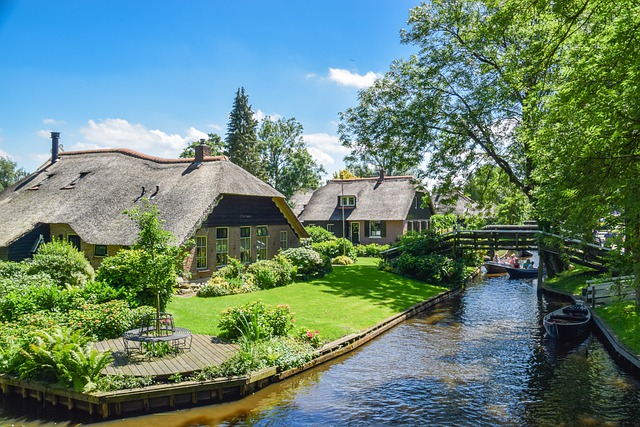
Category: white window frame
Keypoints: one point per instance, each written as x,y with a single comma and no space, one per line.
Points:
245,246
284,239
347,201
262,243
202,260
222,247
330,228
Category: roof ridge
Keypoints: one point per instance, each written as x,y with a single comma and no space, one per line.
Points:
136,154
372,178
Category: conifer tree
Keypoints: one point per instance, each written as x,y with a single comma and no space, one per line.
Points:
242,142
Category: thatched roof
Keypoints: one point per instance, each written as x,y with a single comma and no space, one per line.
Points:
455,203
89,190
381,200
299,200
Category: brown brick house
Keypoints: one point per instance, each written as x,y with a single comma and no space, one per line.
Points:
80,196
367,210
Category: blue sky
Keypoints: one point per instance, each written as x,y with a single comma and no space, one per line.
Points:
155,75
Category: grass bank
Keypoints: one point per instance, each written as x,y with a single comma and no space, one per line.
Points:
349,299
621,317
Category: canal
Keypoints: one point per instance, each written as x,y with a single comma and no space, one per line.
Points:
479,360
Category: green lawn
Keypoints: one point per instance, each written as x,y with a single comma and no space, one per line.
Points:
621,317
349,299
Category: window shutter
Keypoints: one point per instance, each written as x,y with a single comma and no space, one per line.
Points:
383,228
366,229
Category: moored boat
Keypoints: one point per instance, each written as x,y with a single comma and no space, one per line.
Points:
521,273
567,323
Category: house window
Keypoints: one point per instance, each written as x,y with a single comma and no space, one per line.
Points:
347,201
100,250
201,252
330,228
262,242
375,229
222,245
409,226
284,239
245,244
74,239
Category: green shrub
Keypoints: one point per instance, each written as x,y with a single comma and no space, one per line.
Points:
371,250
63,262
262,320
219,286
434,269
107,320
29,299
319,234
122,382
309,336
98,292
126,272
272,273
232,270
308,262
335,248
423,243
342,260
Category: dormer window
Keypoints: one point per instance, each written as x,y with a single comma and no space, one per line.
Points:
73,183
348,201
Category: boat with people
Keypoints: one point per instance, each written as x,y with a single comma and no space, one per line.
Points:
521,272
493,267
567,323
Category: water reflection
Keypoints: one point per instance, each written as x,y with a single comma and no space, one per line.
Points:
481,359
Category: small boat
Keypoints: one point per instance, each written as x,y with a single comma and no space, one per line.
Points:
521,273
567,323
493,267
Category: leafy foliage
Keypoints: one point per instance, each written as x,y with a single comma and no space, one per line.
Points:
261,319
308,262
272,273
220,286
10,173
213,141
371,250
63,262
287,162
336,247
319,234
342,260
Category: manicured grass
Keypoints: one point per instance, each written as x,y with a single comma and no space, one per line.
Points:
624,320
349,299
574,280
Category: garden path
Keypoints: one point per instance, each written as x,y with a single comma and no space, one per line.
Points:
205,351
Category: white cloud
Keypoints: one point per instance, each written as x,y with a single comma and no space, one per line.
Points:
215,127
4,153
310,75
49,121
260,116
119,133
347,78
326,150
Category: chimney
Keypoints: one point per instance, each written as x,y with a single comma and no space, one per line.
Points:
55,146
381,177
202,151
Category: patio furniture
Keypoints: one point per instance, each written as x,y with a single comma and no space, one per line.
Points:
157,329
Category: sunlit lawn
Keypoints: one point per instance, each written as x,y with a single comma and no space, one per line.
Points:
349,299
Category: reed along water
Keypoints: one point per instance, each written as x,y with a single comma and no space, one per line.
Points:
481,359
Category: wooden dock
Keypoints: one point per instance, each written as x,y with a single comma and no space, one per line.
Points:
205,351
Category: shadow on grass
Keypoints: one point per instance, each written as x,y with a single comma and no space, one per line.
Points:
381,288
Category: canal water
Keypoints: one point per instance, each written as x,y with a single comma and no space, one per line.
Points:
482,359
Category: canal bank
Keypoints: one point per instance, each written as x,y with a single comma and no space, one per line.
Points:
619,352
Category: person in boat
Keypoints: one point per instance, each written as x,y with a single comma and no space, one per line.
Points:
531,265
516,264
526,264
513,260
495,258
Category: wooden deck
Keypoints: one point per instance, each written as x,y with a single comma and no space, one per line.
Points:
205,351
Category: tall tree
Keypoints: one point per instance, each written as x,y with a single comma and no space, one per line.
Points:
588,141
471,89
287,163
242,143
10,173
214,141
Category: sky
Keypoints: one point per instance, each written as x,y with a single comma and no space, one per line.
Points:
153,76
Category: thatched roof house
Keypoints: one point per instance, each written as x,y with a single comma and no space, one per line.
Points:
81,195
377,209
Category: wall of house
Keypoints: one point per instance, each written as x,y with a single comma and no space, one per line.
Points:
273,246
25,246
64,231
417,210
393,229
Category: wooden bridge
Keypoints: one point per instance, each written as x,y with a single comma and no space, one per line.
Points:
524,237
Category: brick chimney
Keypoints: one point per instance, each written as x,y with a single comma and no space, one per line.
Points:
55,146
202,151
